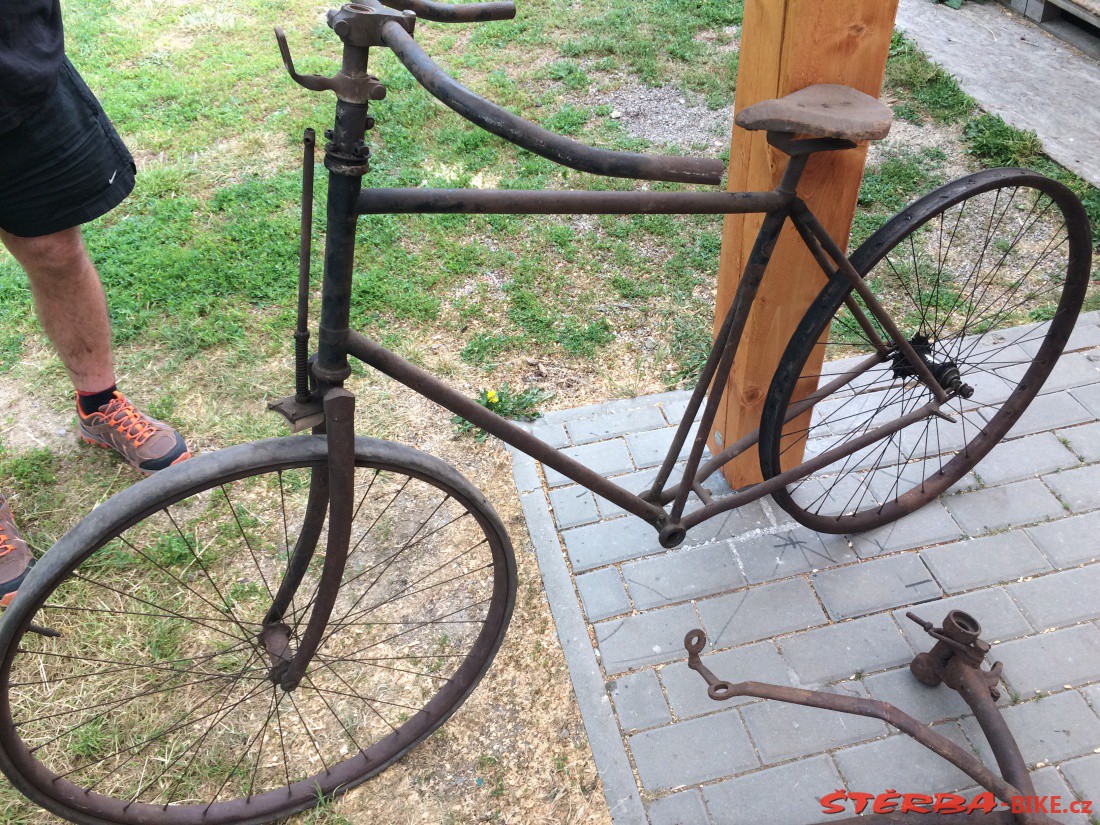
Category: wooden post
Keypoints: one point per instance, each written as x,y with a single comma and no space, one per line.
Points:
787,45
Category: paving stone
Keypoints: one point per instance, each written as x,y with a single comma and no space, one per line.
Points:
649,448
925,704
995,611
1079,488
912,474
1050,661
639,481
608,542
687,753
603,594
731,525
789,552
614,422
1049,412
1092,696
1025,458
889,763
759,612
784,731
687,691
604,457
635,482
931,524
682,574
966,565
1047,730
645,638
573,505
540,527
1048,782
1083,440
870,586
995,508
1060,598
1071,370
638,700
684,808
1068,542
1084,777
550,431
1086,332
840,650
676,405
790,791
1089,398
525,473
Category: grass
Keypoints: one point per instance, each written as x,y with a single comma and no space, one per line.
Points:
518,405
200,262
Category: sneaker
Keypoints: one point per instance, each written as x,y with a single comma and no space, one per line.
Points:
15,557
144,442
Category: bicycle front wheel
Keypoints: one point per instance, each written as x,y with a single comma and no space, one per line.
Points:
985,278
155,701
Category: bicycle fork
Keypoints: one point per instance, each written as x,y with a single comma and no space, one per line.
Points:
330,409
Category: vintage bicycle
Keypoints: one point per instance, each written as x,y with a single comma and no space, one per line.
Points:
273,623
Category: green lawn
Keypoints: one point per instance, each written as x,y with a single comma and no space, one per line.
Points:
200,262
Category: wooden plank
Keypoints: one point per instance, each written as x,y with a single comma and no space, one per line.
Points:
787,45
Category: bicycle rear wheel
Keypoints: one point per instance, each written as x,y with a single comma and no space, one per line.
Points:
985,276
156,703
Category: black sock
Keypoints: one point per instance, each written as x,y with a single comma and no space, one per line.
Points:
90,402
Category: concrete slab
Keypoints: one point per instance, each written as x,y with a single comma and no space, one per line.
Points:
1011,68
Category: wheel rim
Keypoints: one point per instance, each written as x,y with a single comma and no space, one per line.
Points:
169,714
961,271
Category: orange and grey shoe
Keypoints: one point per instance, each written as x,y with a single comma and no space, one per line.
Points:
144,443
15,556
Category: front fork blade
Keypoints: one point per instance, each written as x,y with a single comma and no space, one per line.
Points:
340,426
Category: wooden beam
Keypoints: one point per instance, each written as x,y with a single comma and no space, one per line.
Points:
787,45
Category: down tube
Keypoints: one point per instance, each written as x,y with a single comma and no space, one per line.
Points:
426,384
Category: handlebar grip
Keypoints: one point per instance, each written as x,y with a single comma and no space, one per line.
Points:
533,137
451,13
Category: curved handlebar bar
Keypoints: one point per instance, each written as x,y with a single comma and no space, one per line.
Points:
534,138
449,13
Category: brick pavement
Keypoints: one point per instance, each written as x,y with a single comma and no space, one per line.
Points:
1015,543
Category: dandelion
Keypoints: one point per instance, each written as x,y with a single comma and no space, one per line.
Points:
492,397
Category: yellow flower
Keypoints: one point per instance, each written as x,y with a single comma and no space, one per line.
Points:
491,397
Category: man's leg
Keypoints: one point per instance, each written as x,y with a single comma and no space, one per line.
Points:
73,311
70,303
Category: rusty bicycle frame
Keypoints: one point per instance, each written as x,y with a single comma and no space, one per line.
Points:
321,402
371,24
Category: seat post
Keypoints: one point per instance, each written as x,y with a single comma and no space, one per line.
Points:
799,151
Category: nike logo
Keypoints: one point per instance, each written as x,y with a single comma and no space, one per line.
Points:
112,178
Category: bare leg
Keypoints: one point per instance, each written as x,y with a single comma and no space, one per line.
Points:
70,303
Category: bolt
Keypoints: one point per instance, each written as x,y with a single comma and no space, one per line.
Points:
342,28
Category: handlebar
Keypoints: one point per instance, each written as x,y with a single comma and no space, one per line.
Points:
530,136
449,13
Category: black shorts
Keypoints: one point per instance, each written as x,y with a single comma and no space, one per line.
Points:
64,165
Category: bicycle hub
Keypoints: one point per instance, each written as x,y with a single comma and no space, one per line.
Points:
945,372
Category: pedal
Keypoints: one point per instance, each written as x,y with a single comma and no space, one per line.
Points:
300,416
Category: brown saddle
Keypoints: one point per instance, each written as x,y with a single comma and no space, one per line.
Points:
825,110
